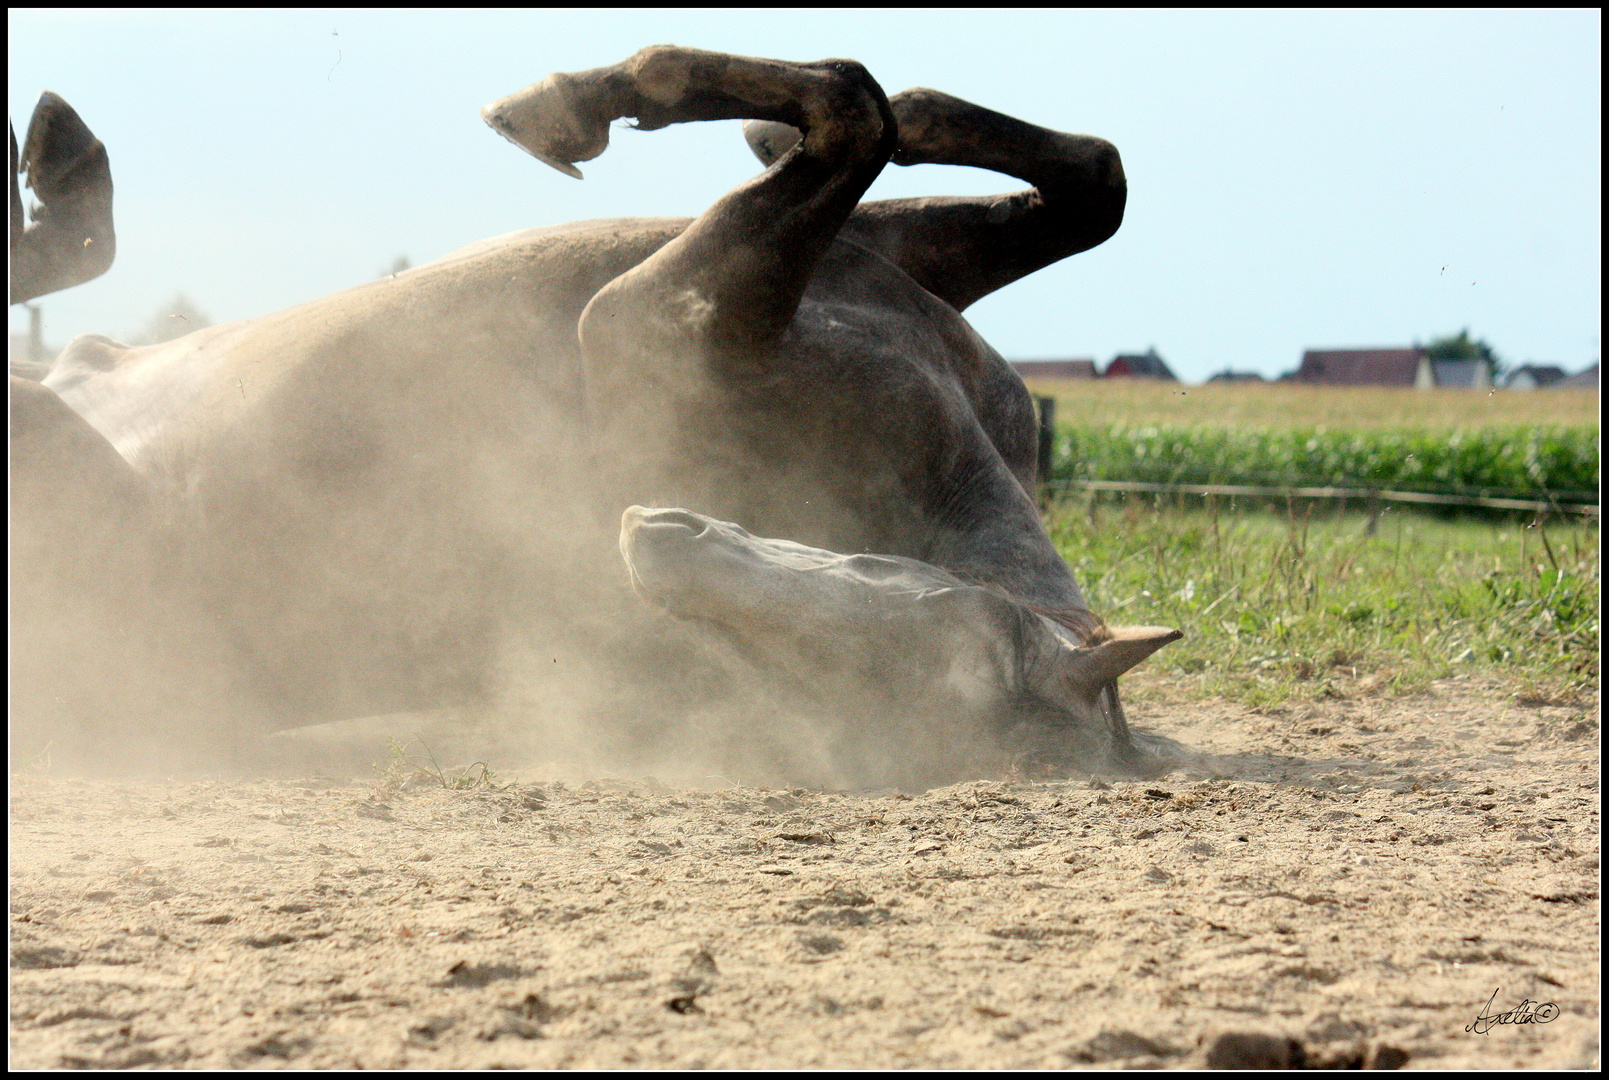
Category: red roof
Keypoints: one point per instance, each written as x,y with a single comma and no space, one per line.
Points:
1360,367
1138,366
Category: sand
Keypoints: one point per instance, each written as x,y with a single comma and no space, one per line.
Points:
1354,881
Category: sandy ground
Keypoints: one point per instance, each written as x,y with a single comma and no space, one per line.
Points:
1352,880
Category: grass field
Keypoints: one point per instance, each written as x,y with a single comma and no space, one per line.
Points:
1276,607
1506,461
1098,402
1537,445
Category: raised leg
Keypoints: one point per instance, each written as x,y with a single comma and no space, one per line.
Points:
963,248
70,239
732,281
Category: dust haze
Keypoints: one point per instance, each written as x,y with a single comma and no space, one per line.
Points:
406,497
412,559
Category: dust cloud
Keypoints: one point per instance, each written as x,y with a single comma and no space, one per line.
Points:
417,553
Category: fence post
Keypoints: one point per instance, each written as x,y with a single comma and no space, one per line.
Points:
36,333
1047,441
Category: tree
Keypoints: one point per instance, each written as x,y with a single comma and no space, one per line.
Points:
1462,347
398,265
178,318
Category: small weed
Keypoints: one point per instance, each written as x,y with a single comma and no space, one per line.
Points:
402,772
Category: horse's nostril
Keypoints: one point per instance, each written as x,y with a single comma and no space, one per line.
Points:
675,517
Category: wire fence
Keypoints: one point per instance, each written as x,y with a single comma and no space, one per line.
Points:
1365,495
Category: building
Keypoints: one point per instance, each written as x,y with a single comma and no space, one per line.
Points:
1147,365
1461,374
1229,375
1581,380
1534,376
1361,367
1390,367
1054,369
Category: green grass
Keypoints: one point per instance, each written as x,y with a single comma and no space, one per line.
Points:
1523,462
1276,607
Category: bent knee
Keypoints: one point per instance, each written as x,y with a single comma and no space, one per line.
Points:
1101,187
852,118
1110,167
1103,168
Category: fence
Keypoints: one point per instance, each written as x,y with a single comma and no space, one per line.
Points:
1367,495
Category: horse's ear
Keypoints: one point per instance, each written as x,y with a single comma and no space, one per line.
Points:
1091,668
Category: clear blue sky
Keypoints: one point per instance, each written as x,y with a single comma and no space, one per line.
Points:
1296,179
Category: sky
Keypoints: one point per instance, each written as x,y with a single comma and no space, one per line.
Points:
1296,179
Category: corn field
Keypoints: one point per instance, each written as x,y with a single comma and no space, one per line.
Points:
1522,462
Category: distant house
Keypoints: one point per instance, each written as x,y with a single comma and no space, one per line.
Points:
1462,374
1231,375
1534,376
1142,366
1054,369
1361,367
1581,380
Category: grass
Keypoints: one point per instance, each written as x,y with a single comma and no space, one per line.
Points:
1280,607
1101,403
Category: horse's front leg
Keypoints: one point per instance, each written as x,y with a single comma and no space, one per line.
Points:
70,240
733,280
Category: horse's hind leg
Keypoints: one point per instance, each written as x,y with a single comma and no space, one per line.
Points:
963,248
730,284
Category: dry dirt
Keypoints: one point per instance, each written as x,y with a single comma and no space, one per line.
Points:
1341,881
